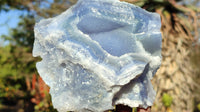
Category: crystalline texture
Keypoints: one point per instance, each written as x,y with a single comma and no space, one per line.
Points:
99,53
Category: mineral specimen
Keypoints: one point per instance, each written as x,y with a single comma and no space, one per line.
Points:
99,53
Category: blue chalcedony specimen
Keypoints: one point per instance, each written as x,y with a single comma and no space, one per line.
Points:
99,53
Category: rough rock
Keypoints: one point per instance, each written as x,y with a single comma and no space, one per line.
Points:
99,53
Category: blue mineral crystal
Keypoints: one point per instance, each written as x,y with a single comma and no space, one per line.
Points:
99,53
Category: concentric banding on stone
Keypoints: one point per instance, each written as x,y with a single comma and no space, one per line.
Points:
100,52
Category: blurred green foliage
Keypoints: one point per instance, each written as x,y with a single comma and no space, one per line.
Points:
198,107
13,60
23,34
167,100
16,64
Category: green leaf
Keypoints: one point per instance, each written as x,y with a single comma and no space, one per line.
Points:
167,100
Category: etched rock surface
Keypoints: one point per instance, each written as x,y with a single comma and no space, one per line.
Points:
99,53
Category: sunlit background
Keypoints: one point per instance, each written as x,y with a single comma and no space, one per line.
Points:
177,82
